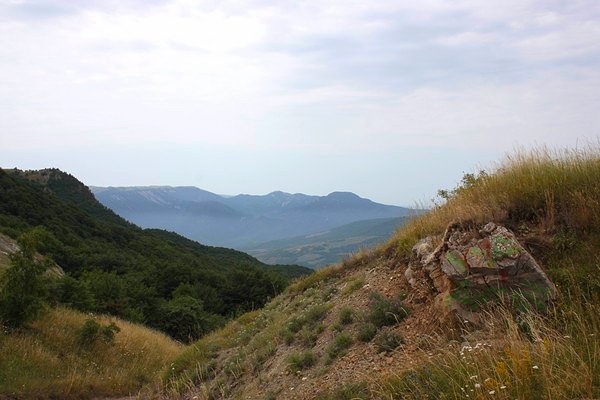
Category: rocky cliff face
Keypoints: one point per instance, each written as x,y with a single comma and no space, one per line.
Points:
472,267
9,246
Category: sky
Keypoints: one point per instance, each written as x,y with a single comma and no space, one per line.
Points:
389,99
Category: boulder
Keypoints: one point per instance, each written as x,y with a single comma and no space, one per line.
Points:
470,268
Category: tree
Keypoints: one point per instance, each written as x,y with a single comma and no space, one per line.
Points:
108,290
23,286
72,293
184,318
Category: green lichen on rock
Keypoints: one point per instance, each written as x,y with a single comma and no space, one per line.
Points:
457,260
504,247
476,258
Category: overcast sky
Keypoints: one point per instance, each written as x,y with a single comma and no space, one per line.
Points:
389,99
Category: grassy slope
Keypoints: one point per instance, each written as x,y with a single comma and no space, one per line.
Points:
45,360
551,200
318,250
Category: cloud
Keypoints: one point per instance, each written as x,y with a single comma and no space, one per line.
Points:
333,77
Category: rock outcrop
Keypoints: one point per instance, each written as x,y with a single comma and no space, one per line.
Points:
471,267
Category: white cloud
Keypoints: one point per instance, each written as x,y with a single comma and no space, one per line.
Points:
468,39
331,77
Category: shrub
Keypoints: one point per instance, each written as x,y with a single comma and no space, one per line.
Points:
23,289
185,319
72,293
298,361
91,331
384,312
341,343
387,341
366,332
346,316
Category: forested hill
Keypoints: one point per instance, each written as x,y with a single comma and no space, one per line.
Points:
112,266
70,190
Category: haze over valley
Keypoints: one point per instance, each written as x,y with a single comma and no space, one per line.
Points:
245,221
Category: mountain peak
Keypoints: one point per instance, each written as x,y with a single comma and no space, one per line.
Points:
278,193
343,195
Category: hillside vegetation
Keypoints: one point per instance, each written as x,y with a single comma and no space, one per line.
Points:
148,276
48,359
357,330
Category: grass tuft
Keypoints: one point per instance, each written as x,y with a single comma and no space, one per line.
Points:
341,343
383,312
298,361
388,341
366,332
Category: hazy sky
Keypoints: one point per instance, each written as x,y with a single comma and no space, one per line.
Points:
389,99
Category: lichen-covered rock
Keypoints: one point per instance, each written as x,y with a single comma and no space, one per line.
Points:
470,268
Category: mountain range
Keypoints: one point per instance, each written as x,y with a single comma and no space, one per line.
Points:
242,221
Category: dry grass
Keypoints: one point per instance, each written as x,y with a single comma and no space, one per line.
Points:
361,258
548,188
45,361
532,361
197,364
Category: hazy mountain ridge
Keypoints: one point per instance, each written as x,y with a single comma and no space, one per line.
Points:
242,220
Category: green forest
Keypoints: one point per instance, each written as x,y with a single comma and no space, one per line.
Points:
110,266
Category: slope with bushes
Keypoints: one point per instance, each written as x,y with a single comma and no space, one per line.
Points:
150,276
357,330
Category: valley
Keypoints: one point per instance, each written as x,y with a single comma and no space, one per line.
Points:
276,227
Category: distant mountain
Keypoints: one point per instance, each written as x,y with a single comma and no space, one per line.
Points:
271,203
239,221
328,247
152,197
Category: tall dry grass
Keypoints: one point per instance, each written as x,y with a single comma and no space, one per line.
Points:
46,360
526,358
551,188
